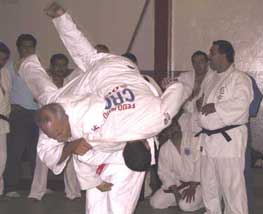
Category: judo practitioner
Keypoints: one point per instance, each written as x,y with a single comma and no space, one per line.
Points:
179,170
110,186
179,158
226,94
5,89
59,71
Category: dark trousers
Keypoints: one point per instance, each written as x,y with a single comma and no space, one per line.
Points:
21,140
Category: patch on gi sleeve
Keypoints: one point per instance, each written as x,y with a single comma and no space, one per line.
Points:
167,118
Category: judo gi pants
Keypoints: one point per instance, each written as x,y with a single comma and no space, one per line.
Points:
123,196
223,177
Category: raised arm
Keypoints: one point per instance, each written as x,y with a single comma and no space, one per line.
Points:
76,43
38,81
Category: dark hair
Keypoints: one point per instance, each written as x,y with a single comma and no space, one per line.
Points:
136,156
131,57
25,37
199,53
41,116
58,56
101,48
225,47
4,49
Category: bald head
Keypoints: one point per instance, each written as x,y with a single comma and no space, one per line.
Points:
53,121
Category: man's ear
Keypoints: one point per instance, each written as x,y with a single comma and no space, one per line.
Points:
49,124
46,127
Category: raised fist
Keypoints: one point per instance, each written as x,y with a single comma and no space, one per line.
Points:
54,10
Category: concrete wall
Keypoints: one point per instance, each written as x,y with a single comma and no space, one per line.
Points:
111,22
197,23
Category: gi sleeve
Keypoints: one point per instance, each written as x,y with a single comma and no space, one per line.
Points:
164,169
49,152
173,98
38,81
76,43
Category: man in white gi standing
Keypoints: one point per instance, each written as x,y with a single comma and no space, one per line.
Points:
226,97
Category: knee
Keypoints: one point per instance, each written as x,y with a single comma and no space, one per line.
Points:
186,207
155,202
161,201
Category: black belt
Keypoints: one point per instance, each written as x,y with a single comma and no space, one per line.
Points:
3,117
217,131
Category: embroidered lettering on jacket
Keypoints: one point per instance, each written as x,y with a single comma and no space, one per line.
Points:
121,98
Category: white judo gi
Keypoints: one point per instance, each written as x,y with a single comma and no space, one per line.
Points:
39,184
222,171
114,78
174,167
5,88
123,196
124,93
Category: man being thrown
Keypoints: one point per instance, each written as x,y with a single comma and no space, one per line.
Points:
109,80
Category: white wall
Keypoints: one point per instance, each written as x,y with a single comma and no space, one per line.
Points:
197,23
111,22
